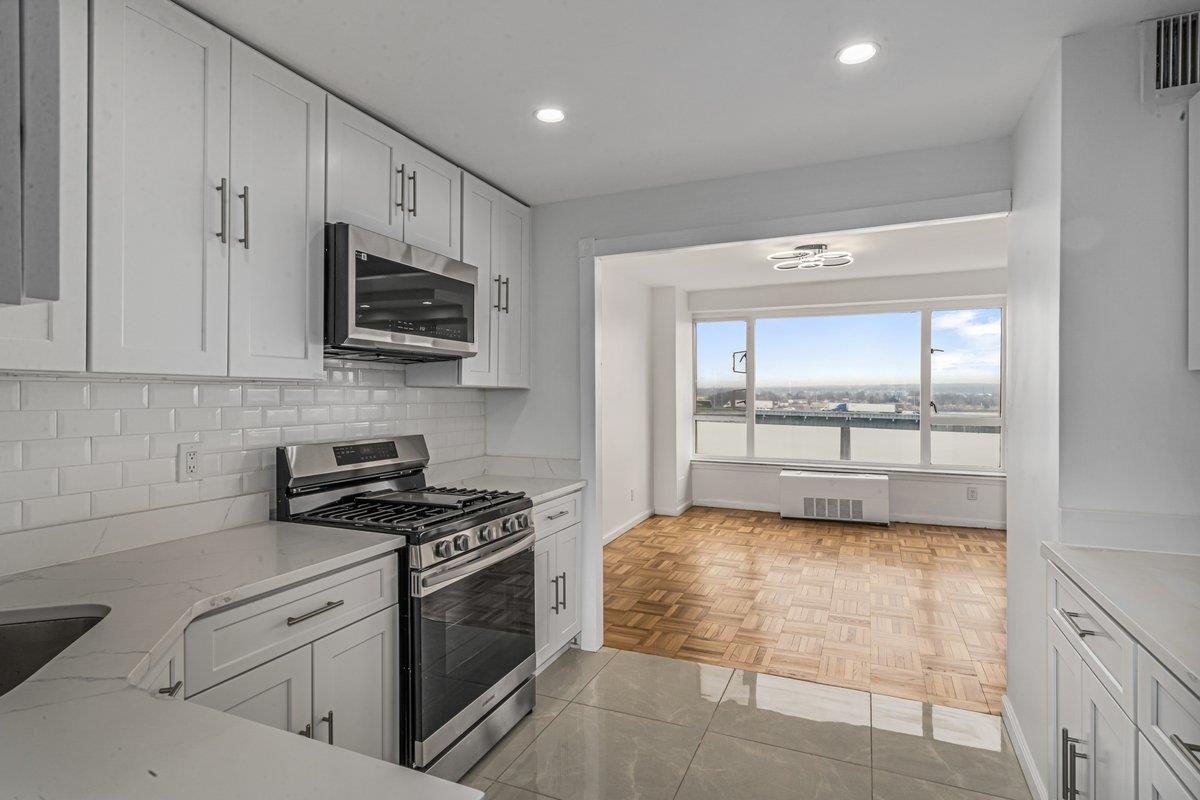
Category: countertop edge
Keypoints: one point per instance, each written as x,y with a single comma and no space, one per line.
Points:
1186,675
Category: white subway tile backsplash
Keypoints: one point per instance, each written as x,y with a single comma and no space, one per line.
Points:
28,484
16,426
56,453
119,395
90,478
73,449
168,395
42,395
213,396
120,501
152,470
88,423
53,510
148,420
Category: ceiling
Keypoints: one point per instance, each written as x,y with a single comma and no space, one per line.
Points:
671,90
955,246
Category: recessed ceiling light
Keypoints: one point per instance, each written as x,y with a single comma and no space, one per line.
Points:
426,302
857,53
550,115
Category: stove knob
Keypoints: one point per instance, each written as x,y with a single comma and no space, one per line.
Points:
462,542
511,525
522,520
442,549
487,533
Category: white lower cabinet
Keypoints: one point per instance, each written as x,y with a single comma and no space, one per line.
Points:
277,693
1065,707
1109,744
1156,781
341,689
556,590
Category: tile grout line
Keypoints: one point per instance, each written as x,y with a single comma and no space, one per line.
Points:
703,733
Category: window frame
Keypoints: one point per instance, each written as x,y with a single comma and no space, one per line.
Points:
927,418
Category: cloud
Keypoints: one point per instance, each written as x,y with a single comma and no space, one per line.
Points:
970,323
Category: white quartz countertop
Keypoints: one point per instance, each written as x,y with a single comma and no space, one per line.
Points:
540,490
1154,596
80,728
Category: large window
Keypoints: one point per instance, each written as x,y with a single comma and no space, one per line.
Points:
912,387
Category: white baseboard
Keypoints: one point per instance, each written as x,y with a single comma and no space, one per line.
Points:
636,519
1021,747
673,512
739,505
958,522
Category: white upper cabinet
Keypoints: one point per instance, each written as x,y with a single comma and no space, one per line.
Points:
432,201
389,184
364,170
496,240
276,266
513,269
160,228
43,224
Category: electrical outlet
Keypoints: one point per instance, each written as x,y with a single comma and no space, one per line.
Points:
188,463
972,493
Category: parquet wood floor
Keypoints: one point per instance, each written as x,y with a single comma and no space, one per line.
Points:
912,611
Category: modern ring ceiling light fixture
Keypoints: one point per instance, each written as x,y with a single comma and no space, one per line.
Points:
810,256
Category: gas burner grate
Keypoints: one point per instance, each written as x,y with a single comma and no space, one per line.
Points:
364,512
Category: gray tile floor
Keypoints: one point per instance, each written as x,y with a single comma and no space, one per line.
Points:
616,725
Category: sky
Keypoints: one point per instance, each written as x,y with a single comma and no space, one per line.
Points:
854,349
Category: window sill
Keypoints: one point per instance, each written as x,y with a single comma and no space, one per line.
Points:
768,465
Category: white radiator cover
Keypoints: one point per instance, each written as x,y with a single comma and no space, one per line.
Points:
848,497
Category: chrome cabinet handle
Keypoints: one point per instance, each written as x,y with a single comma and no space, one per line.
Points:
562,513
554,607
245,198
400,191
330,606
329,718
1190,751
1071,616
507,294
1065,764
497,306
307,731
223,190
563,586
172,690
413,208
1074,756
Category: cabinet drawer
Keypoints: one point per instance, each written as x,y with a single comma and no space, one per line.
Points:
1169,717
234,640
1102,643
555,515
1155,779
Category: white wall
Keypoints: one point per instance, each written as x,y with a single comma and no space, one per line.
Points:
625,401
1130,407
928,498
671,368
545,421
1032,405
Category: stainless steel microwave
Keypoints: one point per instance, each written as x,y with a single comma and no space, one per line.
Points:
389,301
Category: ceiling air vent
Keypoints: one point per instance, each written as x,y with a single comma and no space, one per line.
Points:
1171,58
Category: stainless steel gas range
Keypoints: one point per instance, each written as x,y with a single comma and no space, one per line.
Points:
467,600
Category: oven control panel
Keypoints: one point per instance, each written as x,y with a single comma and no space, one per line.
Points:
455,544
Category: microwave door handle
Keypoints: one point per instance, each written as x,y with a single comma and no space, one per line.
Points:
432,581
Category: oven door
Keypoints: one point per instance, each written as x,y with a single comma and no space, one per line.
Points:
390,297
472,634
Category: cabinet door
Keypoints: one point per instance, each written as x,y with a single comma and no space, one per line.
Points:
432,198
480,220
545,599
1066,716
278,693
364,172
49,335
512,252
1155,779
1110,742
356,683
276,264
166,676
159,282
566,568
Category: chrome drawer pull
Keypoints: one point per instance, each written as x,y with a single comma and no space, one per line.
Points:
172,690
1071,616
332,604
223,190
1190,751
562,513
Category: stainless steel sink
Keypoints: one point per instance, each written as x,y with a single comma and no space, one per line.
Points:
31,637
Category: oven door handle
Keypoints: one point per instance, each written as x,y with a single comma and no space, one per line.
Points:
430,581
